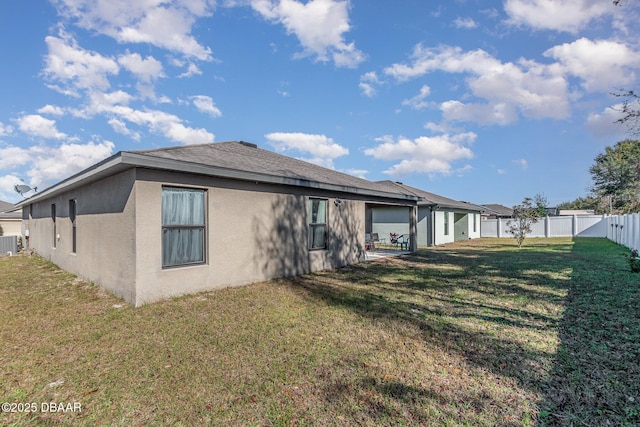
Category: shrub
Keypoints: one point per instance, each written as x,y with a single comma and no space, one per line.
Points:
634,261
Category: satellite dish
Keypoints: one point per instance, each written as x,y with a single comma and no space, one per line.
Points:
21,188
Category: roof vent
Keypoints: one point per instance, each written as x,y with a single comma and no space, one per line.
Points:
398,182
248,144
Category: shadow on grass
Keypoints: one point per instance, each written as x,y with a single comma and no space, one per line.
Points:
480,305
596,375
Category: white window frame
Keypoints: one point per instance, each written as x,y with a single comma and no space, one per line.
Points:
315,224
182,225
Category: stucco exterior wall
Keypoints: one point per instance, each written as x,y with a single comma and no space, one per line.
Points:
474,231
254,232
105,232
386,220
440,237
11,227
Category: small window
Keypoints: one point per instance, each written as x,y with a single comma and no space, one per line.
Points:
72,217
317,224
446,223
183,226
53,218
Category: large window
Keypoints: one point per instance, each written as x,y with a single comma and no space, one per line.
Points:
183,226
317,224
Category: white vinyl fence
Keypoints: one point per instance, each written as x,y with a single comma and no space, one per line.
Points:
8,245
622,229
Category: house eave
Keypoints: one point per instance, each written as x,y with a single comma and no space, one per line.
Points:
126,160
151,162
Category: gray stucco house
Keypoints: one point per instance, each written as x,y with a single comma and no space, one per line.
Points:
148,225
440,219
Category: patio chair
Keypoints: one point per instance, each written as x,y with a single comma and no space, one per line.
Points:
375,238
369,243
403,241
393,238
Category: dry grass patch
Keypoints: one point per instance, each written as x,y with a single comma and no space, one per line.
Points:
464,334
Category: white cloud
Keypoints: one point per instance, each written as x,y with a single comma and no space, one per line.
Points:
146,70
120,127
12,157
192,70
466,23
604,124
418,102
601,64
319,25
360,173
50,164
368,83
206,105
498,113
5,129
45,165
523,163
163,123
103,102
51,110
535,90
165,24
36,125
76,68
558,15
424,154
322,148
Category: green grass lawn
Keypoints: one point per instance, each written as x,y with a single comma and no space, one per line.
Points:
473,333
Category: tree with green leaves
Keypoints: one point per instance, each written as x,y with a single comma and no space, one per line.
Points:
581,203
525,215
616,176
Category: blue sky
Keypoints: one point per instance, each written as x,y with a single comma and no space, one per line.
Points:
482,101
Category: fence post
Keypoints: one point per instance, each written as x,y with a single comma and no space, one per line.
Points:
633,231
547,226
574,225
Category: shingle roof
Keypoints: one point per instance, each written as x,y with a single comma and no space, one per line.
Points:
235,160
247,157
6,206
429,198
499,210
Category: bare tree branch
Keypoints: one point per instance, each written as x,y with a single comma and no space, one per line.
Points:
630,110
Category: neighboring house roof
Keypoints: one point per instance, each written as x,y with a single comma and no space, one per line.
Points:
498,210
429,199
569,212
9,211
236,160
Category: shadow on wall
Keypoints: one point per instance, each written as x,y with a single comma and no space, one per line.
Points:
282,236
